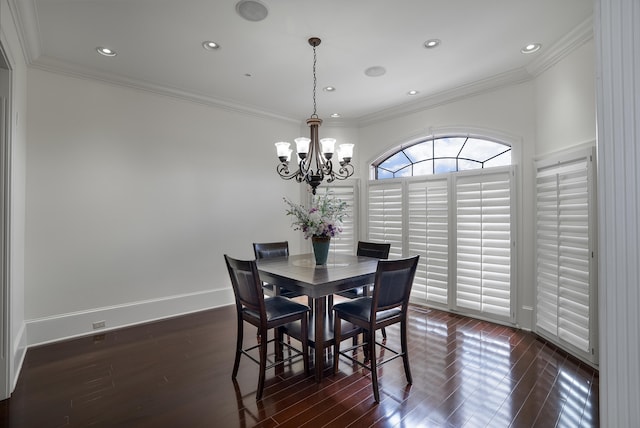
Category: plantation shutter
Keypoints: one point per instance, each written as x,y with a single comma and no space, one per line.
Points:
385,215
483,243
428,202
345,243
563,252
347,191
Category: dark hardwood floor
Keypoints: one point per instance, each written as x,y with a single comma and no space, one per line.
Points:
177,373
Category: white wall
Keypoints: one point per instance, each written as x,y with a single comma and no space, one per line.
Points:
565,102
133,198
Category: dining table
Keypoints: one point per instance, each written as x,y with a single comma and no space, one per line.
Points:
300,273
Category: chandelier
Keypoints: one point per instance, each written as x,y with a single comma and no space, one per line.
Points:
314,155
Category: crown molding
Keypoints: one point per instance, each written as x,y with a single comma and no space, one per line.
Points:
560,50
512,77
25,19
8,55
74,70
25,15
570,42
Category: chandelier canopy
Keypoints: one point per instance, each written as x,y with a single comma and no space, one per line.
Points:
314,154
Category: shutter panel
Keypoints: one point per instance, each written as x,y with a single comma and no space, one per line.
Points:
385,215
547,253
346,191
345,243
460,224
563,251
429,237
483,241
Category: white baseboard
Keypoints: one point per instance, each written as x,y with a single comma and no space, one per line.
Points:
76,324
19,352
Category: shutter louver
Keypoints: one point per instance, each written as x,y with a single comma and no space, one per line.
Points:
483,241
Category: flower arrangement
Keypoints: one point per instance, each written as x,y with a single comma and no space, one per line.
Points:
324,217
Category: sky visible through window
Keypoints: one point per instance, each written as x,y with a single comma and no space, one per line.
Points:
442,155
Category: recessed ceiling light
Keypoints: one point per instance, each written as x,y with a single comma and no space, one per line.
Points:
375,71
106,51
335,115
329,88
432,43
413,92
531,48
251,10
210,46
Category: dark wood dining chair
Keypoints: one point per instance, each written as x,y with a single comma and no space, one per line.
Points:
266,314
377,250
388,305
265,250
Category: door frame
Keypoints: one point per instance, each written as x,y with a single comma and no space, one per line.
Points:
5,227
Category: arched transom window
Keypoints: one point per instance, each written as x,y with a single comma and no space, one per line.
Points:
441,155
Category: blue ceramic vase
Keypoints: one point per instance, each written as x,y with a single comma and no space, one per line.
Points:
321,248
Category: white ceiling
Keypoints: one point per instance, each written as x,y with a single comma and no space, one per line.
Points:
159,47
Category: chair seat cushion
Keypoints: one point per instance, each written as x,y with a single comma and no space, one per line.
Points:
279,307
361,308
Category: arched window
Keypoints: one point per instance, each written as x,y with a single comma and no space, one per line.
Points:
458,214
441,155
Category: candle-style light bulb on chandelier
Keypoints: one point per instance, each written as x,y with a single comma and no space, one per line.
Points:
315,164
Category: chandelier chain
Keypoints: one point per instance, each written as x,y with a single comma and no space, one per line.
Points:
315,114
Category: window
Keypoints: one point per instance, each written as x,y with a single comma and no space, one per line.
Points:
385,215
442,155
428,226
461,226
565,242
345,242
460,223
483,243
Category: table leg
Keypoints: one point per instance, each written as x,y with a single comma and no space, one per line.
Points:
319,309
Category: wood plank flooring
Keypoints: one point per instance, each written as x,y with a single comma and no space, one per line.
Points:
177,373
